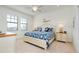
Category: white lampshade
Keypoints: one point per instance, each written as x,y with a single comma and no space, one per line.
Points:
61,27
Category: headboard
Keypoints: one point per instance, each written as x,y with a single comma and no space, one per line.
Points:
48,25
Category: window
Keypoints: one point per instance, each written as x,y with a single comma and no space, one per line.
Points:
11,23
23,24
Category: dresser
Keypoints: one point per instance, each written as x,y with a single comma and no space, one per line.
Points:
62,37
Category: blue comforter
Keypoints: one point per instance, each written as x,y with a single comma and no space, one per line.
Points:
41,35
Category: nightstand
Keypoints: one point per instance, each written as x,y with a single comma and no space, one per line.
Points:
61,36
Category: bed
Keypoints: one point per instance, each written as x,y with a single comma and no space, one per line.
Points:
41,39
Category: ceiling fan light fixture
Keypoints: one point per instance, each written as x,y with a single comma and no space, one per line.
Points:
34,8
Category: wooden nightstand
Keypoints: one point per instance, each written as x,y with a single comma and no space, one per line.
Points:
61,37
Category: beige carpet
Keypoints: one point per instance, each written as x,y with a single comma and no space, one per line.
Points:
56,47
7,44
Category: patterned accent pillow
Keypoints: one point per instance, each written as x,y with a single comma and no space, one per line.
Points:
39,29
50,29
47,29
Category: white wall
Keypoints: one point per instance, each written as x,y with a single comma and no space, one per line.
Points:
76,29
63,15
3,23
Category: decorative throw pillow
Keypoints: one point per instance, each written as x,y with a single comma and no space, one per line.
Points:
39,29
46,29
50,29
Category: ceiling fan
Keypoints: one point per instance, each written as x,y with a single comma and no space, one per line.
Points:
36,8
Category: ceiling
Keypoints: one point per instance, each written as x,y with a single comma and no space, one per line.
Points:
27,9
